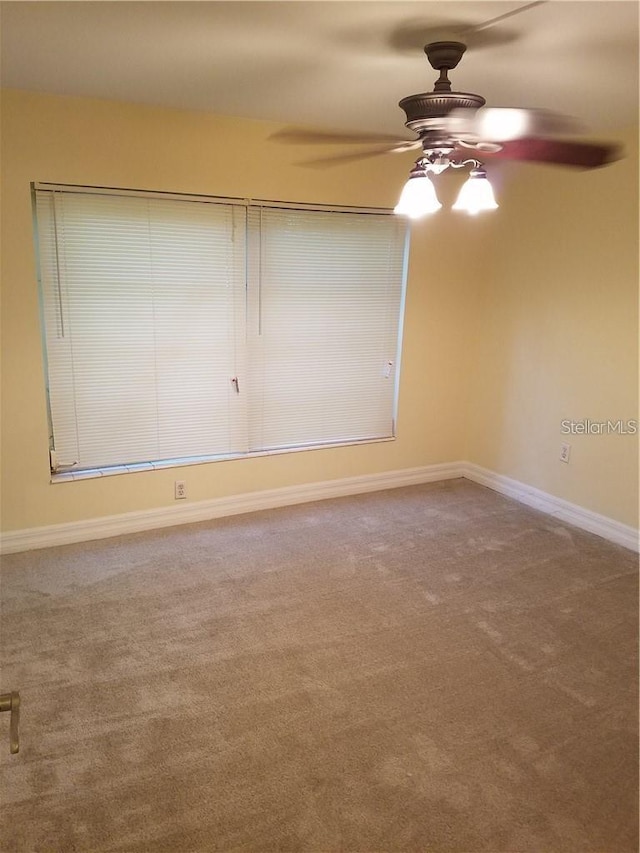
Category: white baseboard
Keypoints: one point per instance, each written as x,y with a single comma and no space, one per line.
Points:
614,531
186,513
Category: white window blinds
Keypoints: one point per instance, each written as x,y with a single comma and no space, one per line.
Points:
185,329
323,356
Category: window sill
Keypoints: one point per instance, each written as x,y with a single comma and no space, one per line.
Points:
116,470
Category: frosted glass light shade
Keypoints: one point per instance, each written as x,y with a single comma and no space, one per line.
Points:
418,197
476,195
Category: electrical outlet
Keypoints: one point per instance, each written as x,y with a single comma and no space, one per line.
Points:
180,490
565,452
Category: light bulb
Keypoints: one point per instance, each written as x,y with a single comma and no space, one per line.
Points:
476,194
418,197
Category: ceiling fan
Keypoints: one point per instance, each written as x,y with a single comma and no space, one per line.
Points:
453,132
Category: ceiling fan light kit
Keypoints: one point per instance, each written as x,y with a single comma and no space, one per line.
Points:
450,132
418,196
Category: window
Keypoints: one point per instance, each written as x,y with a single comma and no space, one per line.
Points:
188,328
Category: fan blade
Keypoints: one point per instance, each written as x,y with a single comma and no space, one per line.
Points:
309,137
339,159
502,124
582,155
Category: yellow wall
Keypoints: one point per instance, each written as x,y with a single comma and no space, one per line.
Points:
82,141
559,334
514,321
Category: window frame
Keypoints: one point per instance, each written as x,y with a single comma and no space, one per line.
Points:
70,475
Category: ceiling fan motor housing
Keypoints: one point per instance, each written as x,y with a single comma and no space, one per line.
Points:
421,110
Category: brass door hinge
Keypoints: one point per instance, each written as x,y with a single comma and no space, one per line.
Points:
11,702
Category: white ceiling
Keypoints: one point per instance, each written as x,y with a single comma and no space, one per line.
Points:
333,65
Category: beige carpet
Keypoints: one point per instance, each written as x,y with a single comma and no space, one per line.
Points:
434,668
